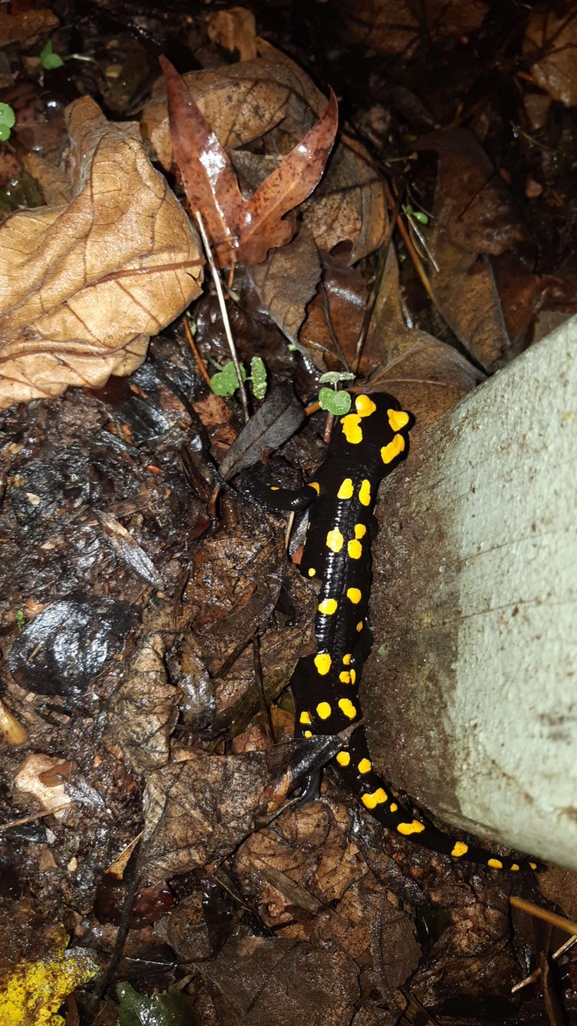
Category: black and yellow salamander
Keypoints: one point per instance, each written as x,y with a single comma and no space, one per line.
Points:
366,446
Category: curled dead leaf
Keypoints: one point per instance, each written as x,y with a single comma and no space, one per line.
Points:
394,26
551,45
234,30
84,285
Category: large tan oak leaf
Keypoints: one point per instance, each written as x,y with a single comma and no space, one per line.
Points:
83,285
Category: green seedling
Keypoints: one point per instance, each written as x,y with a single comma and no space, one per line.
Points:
7,121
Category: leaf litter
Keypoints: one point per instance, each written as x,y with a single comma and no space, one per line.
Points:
222,617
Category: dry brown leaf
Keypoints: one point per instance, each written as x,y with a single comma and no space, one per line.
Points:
474,217
425,374
26,26
298,263
55,183
234,30
273,99
551,45
84,285
395,26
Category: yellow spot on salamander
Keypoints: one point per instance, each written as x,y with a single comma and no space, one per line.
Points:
352,430
305,718
459,849
335,540
353,676
390,451
312,571
346,491
365,492
347,659
514,868
355,549
343,758
365,766
411,828
328,606
308,733
274,488
360,531
495,863
360,626
323,662
324,710
364,405
315,485
354,595
345,677
347,708
398,419
376,798
394,806
533,865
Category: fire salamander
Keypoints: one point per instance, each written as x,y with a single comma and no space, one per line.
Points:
366,446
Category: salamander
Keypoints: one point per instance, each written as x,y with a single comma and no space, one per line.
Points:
366,446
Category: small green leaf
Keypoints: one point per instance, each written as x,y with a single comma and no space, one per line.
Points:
7,115
420,217
336,377
4,133
337,403
20,620
258,377
171,1009
48,59
225,382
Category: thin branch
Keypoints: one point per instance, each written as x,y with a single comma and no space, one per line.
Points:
543,913
195,351
369,308
224,313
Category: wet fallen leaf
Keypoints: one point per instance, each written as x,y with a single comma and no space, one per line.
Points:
127,549
394,26
254,977
242,229
199,811
83,285
275,101
144,710
551,46
275,421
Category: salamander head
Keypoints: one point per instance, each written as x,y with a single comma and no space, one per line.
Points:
376,431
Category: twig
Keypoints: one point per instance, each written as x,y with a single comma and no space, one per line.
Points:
370,306
534,976
543,913
32,817
195,351
412,251
224,313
